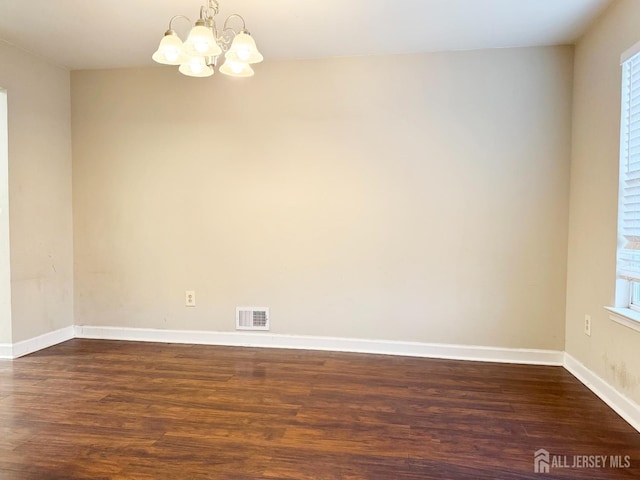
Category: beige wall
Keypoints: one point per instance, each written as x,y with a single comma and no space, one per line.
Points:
417,197
39,193
613,350
5,263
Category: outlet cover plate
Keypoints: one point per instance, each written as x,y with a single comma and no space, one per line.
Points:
189,298
587,325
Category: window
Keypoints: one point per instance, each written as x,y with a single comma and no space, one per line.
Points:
634,301
628,253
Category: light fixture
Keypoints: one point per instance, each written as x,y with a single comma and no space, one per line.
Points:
198,55
236,69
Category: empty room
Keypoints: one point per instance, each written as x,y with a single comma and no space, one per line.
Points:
320,240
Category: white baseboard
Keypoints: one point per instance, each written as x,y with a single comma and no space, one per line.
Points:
270,340
25,347
6,351
623,406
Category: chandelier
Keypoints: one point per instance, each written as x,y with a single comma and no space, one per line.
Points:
198,55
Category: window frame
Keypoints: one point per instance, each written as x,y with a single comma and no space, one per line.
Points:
634,296
626,311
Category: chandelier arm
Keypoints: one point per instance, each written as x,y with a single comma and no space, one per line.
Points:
210,11
234,15
214,5
178,16
225,39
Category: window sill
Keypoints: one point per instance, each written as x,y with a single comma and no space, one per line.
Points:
625,316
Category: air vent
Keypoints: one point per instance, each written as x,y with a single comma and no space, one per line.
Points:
252,318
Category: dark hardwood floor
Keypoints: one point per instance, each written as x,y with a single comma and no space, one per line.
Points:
117,410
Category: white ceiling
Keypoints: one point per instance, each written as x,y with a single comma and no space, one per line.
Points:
83,34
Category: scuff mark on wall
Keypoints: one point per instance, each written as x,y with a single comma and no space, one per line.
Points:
619,373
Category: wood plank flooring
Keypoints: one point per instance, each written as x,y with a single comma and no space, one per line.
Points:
89,409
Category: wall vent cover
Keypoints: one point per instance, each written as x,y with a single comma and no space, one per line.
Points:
252,318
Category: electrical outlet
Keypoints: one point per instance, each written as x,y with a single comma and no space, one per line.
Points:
190,298
587,325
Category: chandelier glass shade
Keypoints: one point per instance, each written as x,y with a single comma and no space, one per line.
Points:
236,69
199,54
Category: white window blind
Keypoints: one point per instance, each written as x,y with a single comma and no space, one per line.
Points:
628,264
